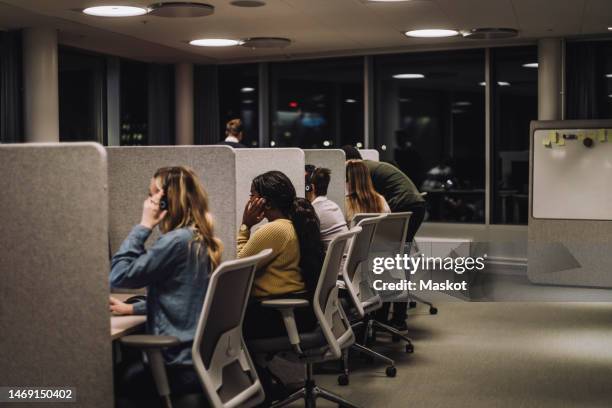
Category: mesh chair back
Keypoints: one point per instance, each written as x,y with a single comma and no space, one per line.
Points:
220,355
332,320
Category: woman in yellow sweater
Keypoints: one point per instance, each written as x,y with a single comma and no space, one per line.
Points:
293,234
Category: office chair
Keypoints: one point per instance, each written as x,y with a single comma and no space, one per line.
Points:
326,342
389,241
363,299
220,356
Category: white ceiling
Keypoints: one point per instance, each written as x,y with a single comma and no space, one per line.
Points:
317,27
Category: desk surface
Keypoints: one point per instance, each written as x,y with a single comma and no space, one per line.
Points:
124,325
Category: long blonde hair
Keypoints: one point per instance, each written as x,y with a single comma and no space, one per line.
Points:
188,207
361,196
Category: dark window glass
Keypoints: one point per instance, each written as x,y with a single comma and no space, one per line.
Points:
514,105
317,104
238,99
82,86
134,103
589,80
430,122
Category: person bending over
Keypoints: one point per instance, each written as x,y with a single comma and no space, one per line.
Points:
175,270
402,196
361,196
330,215
234,133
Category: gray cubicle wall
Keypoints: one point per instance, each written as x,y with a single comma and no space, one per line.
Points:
253,162
370,154
334,160
54,321
576,252
131,169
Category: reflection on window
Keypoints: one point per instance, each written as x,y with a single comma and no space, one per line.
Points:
238,99
430,122
589,80
514,106
317,104
134,103
81,96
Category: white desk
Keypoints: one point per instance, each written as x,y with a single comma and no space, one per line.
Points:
124,325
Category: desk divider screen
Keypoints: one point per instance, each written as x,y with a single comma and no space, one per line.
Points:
253,162
130,170
370,154
54,325
334,160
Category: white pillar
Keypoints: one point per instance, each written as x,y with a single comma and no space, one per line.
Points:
183,97
40,78
550,79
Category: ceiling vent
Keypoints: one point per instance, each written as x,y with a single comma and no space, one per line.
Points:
490,33
266,42
177,9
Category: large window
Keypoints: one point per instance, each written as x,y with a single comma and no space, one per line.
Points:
430,122
134,103
317,104
589,80
81,96
514,105
238,98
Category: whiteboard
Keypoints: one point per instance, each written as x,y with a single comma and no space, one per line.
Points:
571,181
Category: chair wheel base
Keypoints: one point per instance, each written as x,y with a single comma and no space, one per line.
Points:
343,379
409,348
433,310
412,304
391,371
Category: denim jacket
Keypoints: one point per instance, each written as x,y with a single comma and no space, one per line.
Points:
176,278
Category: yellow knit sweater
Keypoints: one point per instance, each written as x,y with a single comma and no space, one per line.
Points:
281,275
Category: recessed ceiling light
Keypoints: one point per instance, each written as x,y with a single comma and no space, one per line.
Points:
350,100
608,75
247,101
214,42
247,89
531,65
482,83
609,28
503,83
463,103
408,76
432,33
115,11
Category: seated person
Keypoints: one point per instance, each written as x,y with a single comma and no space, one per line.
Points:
234,133
175,270
292,271
361,196
330,215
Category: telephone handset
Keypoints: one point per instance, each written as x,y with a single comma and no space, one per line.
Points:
163,201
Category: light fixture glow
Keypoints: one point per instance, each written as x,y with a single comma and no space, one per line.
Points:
408,76
115,11
531,65
608,75
247,101
272,143
214,42
359,145
503,83
326,143
432,33
383,147
350,101
247,89
609,28
462,103
482,83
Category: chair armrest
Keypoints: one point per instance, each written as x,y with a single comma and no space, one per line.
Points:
285,307
149,341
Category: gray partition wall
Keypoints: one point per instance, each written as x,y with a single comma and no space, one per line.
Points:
253,162
370,154
334,160
54,320
564,250
131,169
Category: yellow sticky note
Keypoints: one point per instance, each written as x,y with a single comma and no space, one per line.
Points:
581,136
546,141
561,141
603,135
553,137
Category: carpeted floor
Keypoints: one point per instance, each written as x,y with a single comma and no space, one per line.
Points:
492,355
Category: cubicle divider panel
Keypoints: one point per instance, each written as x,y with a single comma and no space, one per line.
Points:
54,319
253,162
131,170
564,247
334,160
370,154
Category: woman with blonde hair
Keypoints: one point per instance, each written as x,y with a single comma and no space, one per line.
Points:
175,270
361,197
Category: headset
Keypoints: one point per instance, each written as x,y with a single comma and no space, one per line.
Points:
310,171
